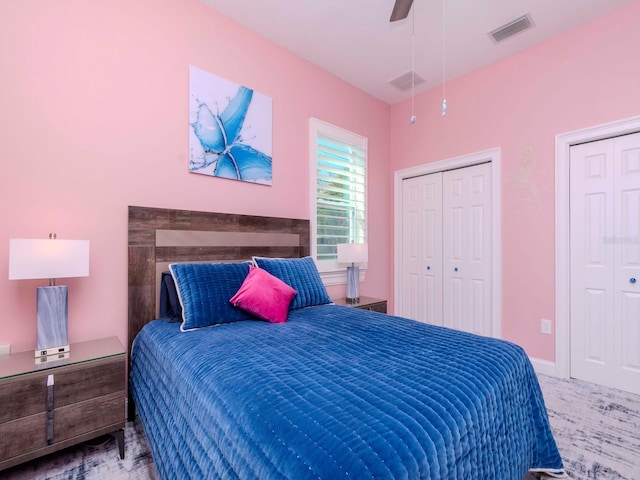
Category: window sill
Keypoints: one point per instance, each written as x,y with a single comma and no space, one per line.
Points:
339,277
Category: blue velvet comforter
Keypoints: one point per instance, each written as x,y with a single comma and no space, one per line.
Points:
336,393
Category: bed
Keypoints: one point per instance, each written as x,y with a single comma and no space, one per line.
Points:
330,392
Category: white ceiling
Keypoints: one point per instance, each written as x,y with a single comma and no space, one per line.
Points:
354,40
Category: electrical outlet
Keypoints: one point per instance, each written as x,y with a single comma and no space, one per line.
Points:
5,349
545,326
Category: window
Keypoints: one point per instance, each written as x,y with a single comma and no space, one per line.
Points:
338,195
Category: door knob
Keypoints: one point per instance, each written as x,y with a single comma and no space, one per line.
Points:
632,280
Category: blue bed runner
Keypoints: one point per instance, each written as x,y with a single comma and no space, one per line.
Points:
337,392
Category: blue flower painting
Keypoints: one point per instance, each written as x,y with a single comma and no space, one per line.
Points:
229,129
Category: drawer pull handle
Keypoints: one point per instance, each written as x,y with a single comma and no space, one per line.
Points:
632,280
50,383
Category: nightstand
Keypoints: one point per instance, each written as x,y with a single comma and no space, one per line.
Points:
366,303
85,399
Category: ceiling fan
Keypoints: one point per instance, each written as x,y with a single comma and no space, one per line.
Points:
401,10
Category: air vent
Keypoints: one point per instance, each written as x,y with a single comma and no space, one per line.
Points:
511,28
403,82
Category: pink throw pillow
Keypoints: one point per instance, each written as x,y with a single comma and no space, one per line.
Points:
264,296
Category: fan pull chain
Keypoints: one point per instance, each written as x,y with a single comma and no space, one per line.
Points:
412,120
444,60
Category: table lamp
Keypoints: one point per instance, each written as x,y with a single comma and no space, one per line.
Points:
52,258
353,253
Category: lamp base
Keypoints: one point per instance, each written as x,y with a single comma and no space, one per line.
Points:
52,332
64,349
353,284
53,359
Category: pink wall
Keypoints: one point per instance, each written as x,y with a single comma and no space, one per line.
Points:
93,118
585,77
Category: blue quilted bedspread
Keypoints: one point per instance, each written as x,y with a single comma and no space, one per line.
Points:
338,393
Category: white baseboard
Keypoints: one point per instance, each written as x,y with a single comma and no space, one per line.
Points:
544,366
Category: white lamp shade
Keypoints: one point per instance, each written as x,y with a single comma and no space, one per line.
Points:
353,252
47,258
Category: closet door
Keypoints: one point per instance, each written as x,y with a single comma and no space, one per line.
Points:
627,263
422,248
605,262
592,223
467,249
446,249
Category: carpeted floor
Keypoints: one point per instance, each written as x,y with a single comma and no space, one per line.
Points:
93,462
597,431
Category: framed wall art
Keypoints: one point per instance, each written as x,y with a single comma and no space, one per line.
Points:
230,129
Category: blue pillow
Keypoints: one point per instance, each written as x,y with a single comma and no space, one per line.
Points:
169,302
302,275
204,290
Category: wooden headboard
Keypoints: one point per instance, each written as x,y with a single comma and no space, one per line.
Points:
160,236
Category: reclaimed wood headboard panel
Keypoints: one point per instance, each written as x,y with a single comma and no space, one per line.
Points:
160,236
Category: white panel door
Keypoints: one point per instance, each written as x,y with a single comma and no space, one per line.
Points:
605,262
466,262
592,221
627,263
446,269
422,248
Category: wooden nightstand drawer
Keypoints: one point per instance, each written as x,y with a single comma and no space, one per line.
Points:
23,435
80,418
376,307
20,398
89,381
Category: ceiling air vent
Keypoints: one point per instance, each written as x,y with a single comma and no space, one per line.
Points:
403,82
511,28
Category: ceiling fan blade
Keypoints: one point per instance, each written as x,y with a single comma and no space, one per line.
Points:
401,10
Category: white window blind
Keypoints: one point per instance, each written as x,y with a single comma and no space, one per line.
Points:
339,159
